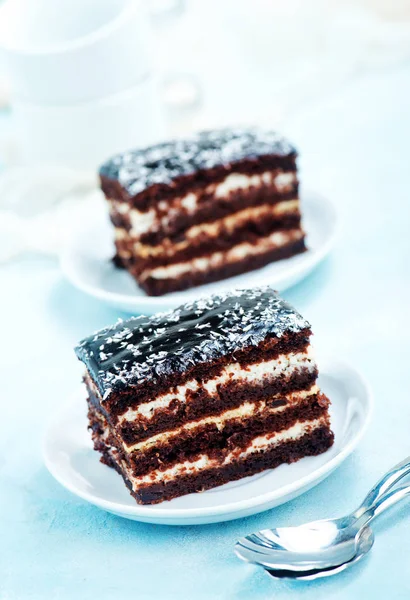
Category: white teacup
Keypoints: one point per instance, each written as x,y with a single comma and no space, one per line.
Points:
65,51
81,79
85,134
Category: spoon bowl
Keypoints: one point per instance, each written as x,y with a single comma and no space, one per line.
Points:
364,544
317,545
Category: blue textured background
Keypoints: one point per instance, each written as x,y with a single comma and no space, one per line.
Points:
355,149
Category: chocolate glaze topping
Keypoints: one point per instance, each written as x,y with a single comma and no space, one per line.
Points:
136,170
146,348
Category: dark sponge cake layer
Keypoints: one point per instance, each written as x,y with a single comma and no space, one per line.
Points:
204,245
209,209
237,433
216,209
202,404
158,287
311,444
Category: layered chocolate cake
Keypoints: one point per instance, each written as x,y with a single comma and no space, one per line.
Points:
193,211
214,391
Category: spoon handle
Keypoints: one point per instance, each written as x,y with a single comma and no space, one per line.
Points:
383,485
383,503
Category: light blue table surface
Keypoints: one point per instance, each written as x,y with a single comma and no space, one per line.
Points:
354,148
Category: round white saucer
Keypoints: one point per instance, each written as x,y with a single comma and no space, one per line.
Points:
86,262
70,458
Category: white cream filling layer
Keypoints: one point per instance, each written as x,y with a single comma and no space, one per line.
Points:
142,222
231,256
239,181
258,444
284,365
245,411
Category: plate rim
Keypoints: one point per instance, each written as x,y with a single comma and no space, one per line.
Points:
329,366
312,258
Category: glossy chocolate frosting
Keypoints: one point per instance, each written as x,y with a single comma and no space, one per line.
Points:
136,170
146,348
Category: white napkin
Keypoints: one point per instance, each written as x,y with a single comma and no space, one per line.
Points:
39,208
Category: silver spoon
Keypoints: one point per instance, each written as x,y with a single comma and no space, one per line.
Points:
322,544
365,540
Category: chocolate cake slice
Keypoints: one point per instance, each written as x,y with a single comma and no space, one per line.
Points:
214,391
193,211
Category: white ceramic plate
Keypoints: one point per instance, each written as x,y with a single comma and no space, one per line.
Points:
71,460
86,262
